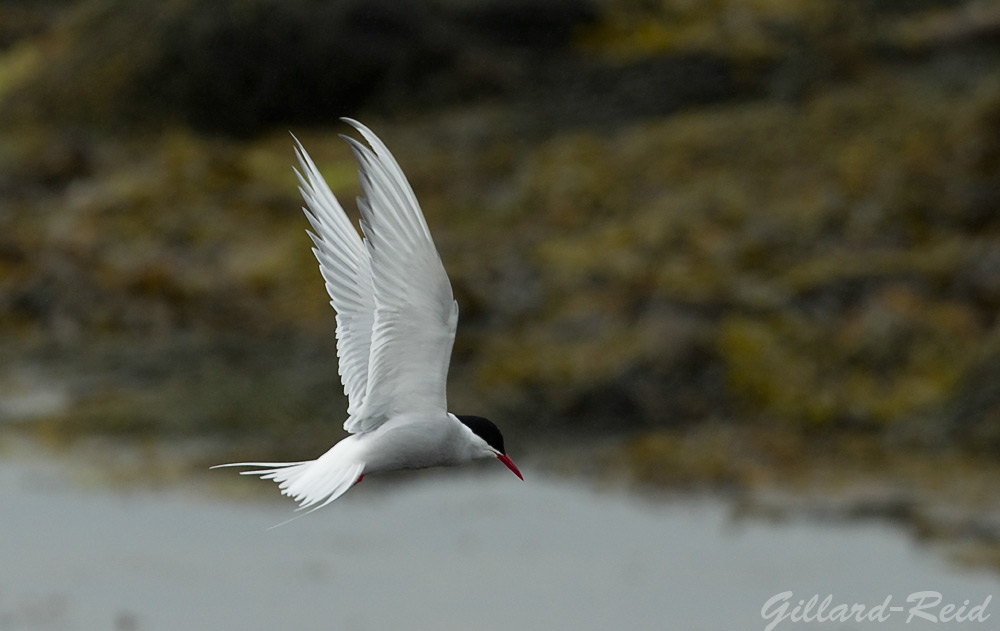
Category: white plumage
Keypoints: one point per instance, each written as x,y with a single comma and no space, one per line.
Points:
396,323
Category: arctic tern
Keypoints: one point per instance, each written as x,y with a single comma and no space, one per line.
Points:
396,322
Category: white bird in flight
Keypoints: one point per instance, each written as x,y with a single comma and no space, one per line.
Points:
396,321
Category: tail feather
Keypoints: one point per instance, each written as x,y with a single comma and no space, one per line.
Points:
311,483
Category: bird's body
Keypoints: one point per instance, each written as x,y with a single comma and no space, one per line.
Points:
410,441
396,323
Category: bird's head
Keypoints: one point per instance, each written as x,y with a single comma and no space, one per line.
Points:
489,439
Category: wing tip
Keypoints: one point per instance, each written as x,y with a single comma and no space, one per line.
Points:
354,123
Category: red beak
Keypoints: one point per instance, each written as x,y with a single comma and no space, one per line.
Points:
504,458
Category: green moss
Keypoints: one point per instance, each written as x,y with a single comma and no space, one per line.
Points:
17,65
894,357
739,27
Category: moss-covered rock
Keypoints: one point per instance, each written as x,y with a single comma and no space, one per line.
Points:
827,261
243,66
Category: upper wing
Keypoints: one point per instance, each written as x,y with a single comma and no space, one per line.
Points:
346,268
415,311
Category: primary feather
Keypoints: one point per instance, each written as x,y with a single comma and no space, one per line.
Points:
346,269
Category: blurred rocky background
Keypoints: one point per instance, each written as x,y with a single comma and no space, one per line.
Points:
750,241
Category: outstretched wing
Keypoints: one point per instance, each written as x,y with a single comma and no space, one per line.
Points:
415,311
346,269
396,314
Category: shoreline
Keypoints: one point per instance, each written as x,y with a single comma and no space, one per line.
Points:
943,500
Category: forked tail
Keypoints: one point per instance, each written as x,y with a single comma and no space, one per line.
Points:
312,483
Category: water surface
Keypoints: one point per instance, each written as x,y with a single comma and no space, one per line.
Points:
473,550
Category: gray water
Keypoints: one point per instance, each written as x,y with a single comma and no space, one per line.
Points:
474,550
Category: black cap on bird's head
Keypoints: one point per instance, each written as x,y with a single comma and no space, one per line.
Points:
485,429
490,433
